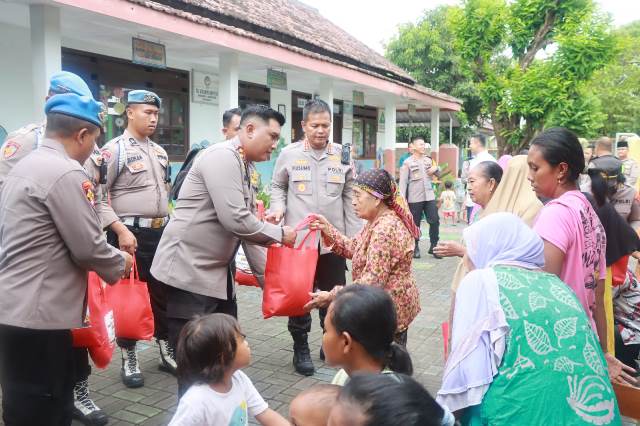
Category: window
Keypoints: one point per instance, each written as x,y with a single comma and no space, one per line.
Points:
111,79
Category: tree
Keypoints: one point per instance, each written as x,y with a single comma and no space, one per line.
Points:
617,86
531,58
427,51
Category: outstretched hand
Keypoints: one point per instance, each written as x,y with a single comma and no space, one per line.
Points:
619,372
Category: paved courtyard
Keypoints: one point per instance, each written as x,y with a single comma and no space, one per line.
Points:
271,370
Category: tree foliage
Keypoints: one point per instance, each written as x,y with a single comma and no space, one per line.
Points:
531,59
617,86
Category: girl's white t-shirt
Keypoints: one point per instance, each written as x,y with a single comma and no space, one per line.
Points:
201,405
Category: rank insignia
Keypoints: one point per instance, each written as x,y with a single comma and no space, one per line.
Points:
302,187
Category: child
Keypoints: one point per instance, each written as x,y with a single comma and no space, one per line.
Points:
387,400
461,195
211,352
448,200
359,332
313,406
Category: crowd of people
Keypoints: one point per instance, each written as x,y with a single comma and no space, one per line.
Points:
542,298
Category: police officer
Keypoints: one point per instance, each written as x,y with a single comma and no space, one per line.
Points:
630,167
51,237
17,146
212,216
416,177
21,142
623,196
309,177
133,205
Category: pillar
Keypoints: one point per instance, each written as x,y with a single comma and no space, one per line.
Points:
46,51
390,135
435,132
325,92
228,84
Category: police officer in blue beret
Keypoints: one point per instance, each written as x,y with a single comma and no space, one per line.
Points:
17,145
133,206
51,238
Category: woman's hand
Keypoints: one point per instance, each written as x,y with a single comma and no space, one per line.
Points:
320,299
319,223
449,249
618,371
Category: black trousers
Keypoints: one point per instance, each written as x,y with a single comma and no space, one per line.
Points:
430,210
37,376
628,354
148,240
183,305
330,272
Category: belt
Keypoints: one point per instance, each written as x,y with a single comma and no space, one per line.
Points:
144,222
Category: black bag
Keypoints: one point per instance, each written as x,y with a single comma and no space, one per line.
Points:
184,170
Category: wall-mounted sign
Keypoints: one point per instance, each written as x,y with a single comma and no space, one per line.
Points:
204,87
276,79
412,109
302,102
381,120
336,109
347,115
146,52
358,98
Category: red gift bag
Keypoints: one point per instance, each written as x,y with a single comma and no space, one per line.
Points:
98,334
289,276
619,271
132,307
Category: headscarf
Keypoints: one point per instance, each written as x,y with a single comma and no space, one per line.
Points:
380,184
503,239
479,328
514,193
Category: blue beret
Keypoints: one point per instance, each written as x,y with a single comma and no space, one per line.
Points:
68,82
81,107
143,97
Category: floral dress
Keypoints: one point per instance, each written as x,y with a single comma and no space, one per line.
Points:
381,255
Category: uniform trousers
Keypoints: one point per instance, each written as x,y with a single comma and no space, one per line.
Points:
37,376
430,210
184,305
330,272
148,240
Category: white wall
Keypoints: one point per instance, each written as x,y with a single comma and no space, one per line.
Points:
16,108
283,97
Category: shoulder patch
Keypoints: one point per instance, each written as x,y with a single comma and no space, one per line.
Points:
10,148
87,188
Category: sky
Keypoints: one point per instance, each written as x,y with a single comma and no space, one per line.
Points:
375,22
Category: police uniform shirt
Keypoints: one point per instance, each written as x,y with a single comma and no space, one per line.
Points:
213,214
625,202
136,180
415,183
18,145
305,181
631,171
49,239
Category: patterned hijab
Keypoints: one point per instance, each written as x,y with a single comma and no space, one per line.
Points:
380,184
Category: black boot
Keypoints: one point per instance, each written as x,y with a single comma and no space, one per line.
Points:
432,253
84,409
302,355
416,252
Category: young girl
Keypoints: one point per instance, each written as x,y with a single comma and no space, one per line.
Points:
448,201
211,352
359,331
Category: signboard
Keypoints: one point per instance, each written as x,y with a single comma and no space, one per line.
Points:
381,120
358,98
148,53
204,87
276,79
336,109
347,115
302,102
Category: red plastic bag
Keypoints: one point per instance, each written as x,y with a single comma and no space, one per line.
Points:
132,307
98,334
619,271
289,276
